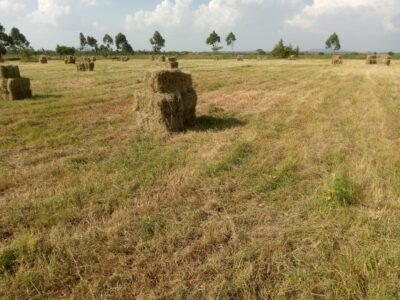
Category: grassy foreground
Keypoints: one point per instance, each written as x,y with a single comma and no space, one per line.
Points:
288,187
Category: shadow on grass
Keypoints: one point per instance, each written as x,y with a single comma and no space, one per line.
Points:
217,123
45,97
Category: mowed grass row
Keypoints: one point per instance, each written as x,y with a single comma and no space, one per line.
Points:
288,186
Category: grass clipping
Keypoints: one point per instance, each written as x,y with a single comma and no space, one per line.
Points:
168,102
13,86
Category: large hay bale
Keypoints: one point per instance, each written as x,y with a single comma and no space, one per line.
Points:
69,59
12,86
372,60
337,60
43,59
168,102
384,60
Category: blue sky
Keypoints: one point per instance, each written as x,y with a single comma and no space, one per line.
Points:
362,25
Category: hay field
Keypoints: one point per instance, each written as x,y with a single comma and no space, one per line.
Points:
287,188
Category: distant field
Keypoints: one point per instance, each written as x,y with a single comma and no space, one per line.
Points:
287,188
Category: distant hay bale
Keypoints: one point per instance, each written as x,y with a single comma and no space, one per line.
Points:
372,60
43,59
384,60
172,63
13,87
215,57
161,58
292,57
93,59
124,58
168,102
337,60
239,58
152,58
259,57
84,66
69,59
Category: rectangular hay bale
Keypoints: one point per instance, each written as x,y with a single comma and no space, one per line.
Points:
19,88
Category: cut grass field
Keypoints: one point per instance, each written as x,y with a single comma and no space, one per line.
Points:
287,188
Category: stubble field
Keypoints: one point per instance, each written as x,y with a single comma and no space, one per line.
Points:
288,187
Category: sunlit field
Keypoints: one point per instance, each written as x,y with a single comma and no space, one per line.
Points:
288,187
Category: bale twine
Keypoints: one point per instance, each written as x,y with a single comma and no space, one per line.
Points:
43,59
168,102
12,86
337,60
372,60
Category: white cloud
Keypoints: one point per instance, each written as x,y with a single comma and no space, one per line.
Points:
49,11
167,13
219,14
13,5
310,15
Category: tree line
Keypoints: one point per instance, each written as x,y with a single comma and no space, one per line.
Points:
15,41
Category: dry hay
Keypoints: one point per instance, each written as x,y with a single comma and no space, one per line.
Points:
84,66
372,60
161,58
168,102
43,59
384,60
13,87
124,58
337,60
69,59
239,58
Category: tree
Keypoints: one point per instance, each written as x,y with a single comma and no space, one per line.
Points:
333,42
127,48
120,39
157,41
92,42
82,41
18,40
283,51
4,41
230,40
213,40
65,50
108,41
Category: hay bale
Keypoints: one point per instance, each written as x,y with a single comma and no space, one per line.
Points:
384,60
43,59
172,63
152,58
337,60
12,86
124,58
161,58
7,72
168,102
85,65
215,57
292,57
239,58
372,60
93,59
69,59
1,59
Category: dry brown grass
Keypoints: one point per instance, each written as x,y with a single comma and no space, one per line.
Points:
287,188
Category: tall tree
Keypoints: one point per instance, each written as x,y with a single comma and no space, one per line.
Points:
4,41
333,42
120,39
157,41
214,41
230,40
127,48
19,40
108,41
82,40
279,49
92,42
